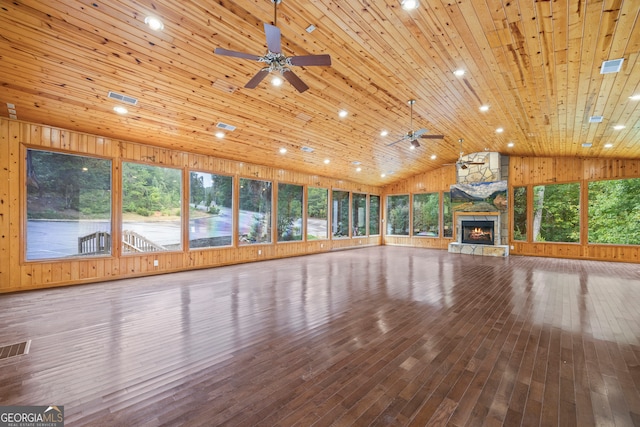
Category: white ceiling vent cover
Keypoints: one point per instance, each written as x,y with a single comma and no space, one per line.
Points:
612,66
307,149
226,127
596,119
123,98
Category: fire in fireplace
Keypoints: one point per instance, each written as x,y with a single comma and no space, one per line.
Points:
477,232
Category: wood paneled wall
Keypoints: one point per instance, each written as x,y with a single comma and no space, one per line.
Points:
16,274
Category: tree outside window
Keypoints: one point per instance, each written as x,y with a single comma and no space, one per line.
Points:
520,213
614,211
340,214
556,213
374,215
254,224
359,214
289,212
426,214
398,215
317,213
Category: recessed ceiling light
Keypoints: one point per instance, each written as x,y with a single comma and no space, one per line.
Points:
618,127
283,150
358,169
382,175
635,97
459,72
384,133
220,135
409,4
120,110
484,108
326,161
499,130
608,145
154,23
433,157
511,144
276,81
343,113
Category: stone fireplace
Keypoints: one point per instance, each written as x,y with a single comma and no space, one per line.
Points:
478,233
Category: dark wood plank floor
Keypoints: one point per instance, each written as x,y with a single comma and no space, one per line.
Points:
382,336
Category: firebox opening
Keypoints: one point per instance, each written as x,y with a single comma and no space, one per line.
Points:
477,232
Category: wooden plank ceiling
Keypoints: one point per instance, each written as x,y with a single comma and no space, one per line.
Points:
536,64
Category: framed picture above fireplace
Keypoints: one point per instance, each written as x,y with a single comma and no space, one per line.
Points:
479,197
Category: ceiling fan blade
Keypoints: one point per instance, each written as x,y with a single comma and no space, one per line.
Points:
295,80
428,136
225,52
273,38
255,80
404,138
419,133
306,60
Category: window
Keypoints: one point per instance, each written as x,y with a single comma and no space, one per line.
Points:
520,213
68,205
255,211
426,214
359,214
398,215
151,208
374,215
614,211
289,212
556,213
210,210
447,215
340,213
317,213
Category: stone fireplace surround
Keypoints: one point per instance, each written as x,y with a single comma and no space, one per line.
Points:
478,249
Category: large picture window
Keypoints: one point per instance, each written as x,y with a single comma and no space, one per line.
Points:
447,215
317,213
151,208
614,211
340,213
289,212
68,205
374,215
426,214
255,211
556,213
210,210
520,213
359,214
398,215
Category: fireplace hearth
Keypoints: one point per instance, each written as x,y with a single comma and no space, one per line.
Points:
478,232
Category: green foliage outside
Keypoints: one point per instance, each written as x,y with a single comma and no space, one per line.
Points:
398,215
374,215
289,212
557,213
340,213
255,196
520,213
209,191
614,211
447,215
151,190
359,214
317,201
426,214
64,186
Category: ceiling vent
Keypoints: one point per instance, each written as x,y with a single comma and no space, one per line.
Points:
612,66
226,127
586,145
122,98
307,149
595,119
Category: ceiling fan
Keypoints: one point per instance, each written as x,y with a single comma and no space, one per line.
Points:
275,60
462,164
412,136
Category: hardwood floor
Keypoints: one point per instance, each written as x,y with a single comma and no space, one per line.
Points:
382,336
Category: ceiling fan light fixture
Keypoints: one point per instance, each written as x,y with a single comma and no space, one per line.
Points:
415,144
409,4
276,81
